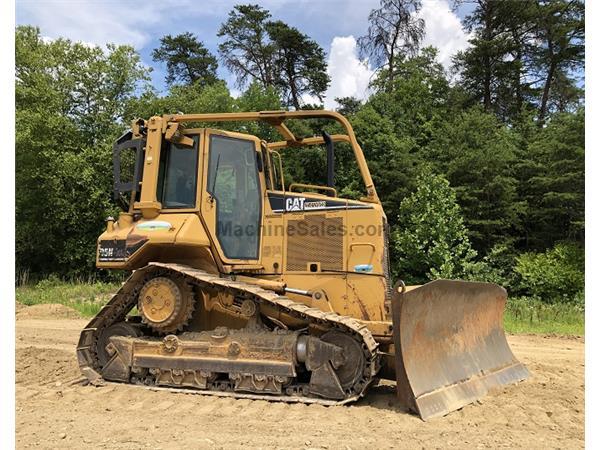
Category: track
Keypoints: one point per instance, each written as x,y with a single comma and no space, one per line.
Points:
125,299
546,411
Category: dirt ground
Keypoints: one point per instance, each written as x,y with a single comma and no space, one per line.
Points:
54,409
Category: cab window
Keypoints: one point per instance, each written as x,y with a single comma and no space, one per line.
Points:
178,175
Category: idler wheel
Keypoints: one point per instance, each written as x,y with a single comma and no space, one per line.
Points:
350,372
117,329
166,306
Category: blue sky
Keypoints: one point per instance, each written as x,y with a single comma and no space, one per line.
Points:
334,24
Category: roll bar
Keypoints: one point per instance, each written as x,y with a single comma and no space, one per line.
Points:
277,119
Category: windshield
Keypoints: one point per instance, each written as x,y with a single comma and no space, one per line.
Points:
178,175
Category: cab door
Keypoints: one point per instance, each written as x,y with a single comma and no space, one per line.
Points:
232,195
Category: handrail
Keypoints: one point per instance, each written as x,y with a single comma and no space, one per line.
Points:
313,186
280,170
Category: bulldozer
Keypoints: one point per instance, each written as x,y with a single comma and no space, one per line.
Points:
242,286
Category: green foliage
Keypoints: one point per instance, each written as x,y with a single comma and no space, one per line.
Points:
186,99
555,276
70,99
299,63
431,239
477,155
417,99
498,267
551,169
390,160
561,50
246,50
273,54
348,105
188,61
259,98
524,55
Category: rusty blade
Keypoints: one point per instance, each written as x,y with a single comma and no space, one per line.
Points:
450,345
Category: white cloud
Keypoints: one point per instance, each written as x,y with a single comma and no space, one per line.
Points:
93,22
443,30
349,75
120,22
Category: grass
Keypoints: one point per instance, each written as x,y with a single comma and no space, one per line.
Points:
522,315
85,297
526,315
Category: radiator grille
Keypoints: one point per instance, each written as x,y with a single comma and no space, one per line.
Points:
386,271
315,238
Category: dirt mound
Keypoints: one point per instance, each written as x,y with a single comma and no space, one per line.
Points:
19,307
47,311
45,365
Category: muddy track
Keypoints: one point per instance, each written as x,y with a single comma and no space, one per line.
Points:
54,409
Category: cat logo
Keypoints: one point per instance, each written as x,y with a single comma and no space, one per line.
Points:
294,203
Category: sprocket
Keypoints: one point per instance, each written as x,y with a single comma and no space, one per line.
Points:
166,305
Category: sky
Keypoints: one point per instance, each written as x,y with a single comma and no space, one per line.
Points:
334,24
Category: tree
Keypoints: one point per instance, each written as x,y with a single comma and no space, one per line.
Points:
70,104
396,124
188,61
348,105
417,100
299,63
477,154
274,54
246,51
431,240
394,31
494,70
561,32
551,170
390,162
524,54
259,98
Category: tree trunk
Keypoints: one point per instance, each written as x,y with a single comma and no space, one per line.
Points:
487,80
517,81
391,58
391,70
292,82
294,92
546,93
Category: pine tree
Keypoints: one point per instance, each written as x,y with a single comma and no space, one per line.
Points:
395,32
552,182
188,61
477,155
273,54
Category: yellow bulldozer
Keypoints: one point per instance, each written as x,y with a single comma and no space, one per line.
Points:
242,286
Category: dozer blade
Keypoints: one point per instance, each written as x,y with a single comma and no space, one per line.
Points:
450,345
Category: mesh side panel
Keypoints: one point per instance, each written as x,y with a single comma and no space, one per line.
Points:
386,260
315,239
